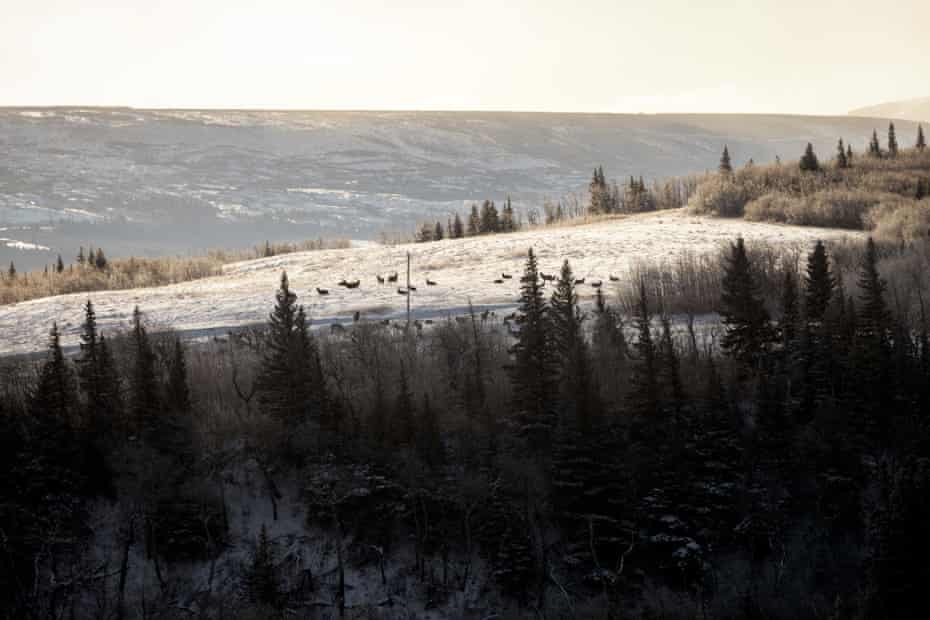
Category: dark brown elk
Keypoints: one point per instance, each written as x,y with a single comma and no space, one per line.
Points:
614,278
380,279
579,281
402,291
596,283
322,291
411,288
506,276
342,283
353,284
430,282
498,281
392,277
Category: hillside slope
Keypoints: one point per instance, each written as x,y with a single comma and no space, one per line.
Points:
910,110
149,182
463,269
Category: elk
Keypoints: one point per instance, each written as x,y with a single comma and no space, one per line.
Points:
430,282
353,284
579,281
392,277
614,278
380,279
596,283
498,281
342,283
402,291
411,288
506,276
322,291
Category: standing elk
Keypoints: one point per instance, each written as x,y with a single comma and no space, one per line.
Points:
506,276
322,291
579,281
596,283
430,282
392,277
353,284
380,279
402,291
498,281
614,278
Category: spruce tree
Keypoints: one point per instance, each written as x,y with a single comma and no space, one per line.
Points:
725,166
11,272
178,391
874,317
89,363
818,285
261,579
143,387
438,234
921,142
670,367
80,256
841,161
745,319
474,222
458,230
849,155
643,396
54,394
60,265
100,261
490,221
892,141
508,224
790,312
532,372
570,349
809,161
875,149
284,387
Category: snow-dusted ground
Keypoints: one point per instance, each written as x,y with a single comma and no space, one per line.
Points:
464,270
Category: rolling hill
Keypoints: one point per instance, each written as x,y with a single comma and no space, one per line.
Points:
910,110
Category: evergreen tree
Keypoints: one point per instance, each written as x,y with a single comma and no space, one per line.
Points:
570,349
921,142
841,160
745,318
508,224
875,149
11,272
599,192
725,166
80,256
818,285
644,386
670,367
60,265
532,372
458,230
438,234
88,363
892,141
790,312
849,155
490,221
100,261
287,386
261,580
54,393
809,161
474,222
178,391
874,317
145,401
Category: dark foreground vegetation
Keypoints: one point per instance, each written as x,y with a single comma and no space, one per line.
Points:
608,462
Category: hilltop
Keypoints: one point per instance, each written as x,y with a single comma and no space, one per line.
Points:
910,110
464,270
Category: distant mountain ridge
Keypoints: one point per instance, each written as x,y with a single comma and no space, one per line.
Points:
917,110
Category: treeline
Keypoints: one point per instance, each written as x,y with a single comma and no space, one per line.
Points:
883,190
91,270
566,462
486,221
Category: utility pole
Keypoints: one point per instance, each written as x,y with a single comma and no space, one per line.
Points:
408,290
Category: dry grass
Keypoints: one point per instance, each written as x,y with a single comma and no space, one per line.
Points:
872,194
126,273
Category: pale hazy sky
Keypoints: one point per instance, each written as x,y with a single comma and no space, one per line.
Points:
792,56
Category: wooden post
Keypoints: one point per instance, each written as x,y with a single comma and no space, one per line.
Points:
409,293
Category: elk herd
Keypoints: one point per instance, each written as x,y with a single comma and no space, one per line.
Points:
393,278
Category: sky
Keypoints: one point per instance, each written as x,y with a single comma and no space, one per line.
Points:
649,56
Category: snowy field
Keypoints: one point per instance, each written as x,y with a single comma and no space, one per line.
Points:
464,271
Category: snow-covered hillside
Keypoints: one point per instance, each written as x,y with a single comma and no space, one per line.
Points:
464,271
